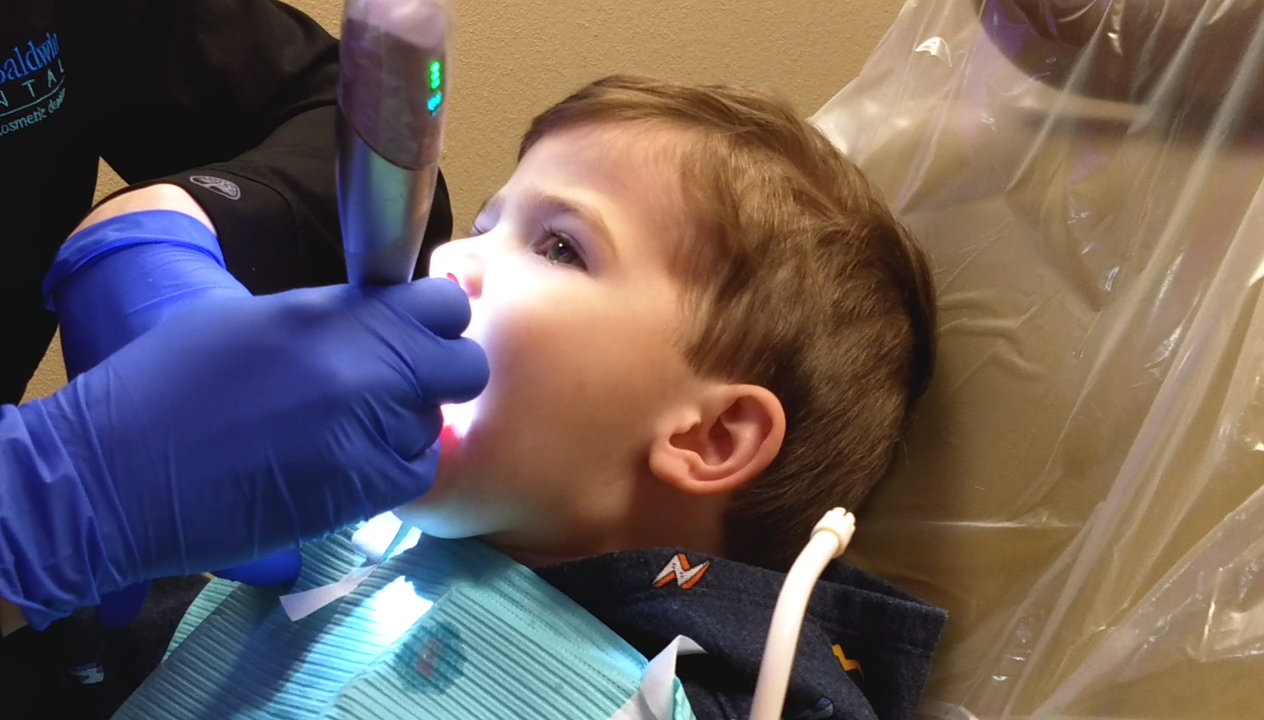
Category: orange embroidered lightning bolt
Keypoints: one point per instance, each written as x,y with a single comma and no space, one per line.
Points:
848,665
678,569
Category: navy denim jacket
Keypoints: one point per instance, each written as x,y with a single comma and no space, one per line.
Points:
864,652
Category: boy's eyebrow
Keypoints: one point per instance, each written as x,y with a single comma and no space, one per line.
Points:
562,205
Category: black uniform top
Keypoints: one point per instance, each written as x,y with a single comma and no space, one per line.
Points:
231,99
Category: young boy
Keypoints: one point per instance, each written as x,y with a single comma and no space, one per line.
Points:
705,330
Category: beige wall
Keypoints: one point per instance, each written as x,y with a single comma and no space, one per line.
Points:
515,57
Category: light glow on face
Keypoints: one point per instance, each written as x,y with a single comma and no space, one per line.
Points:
459,417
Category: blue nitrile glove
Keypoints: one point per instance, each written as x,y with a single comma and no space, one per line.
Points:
112,282
121,277
234,429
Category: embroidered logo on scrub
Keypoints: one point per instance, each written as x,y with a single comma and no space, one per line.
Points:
227,188
32,83
679,570
848,664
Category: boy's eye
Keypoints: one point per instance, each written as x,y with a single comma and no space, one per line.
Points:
560,249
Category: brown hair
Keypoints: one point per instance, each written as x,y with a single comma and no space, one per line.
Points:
801,281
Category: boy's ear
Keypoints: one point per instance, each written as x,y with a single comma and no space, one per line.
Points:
721,442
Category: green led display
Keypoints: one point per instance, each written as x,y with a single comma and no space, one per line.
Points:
436,85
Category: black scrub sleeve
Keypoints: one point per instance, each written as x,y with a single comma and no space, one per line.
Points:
234,101
275,208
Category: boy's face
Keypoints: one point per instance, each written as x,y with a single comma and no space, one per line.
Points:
567,273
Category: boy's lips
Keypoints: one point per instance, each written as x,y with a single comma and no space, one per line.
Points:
449,441
449,444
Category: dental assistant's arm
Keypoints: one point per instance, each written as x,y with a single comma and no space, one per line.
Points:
242,92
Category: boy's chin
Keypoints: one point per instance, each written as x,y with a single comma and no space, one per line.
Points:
431,518
417,515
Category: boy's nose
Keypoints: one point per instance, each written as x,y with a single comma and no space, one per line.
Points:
458,262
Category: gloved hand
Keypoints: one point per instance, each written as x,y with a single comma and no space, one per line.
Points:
238,427
115,280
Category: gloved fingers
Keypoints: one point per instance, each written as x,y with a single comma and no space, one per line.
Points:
440,305
417,430
447,367
455,372
282,568
425,465
409,478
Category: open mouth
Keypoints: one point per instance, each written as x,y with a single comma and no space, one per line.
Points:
449,441
456,422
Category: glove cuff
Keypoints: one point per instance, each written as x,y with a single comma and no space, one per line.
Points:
149,227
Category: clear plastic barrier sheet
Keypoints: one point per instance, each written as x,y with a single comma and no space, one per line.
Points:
1084,489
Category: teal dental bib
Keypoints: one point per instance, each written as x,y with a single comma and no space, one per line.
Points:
445,629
